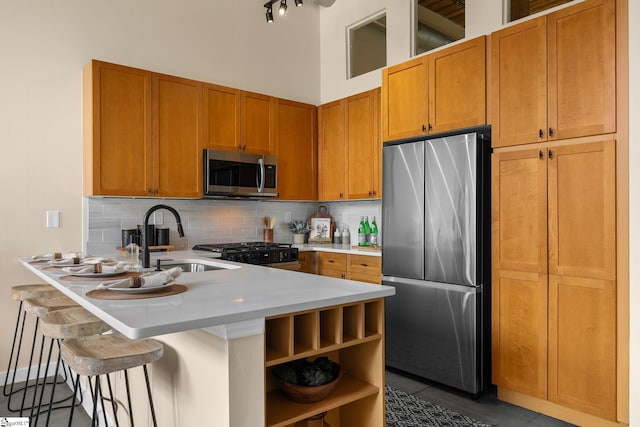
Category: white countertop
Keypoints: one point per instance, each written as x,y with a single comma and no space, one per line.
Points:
344,249
229,303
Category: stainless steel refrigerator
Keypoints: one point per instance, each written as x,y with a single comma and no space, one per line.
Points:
436,253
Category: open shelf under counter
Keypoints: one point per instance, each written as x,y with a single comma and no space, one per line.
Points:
283,412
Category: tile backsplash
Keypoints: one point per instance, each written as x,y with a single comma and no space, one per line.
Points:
209,221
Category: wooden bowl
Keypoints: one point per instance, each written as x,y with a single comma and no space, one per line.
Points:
308,394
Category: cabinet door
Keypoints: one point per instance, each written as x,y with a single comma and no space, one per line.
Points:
405,99
582,77
519,274
332,264
582,210
297,171
177,112
117,130
332,151
519,331
519,211
307,262
363,146
221,114
457,86
582,344
519,84
258,117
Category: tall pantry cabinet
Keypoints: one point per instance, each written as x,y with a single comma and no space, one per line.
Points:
554,209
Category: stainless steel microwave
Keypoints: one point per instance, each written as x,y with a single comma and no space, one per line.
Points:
234,174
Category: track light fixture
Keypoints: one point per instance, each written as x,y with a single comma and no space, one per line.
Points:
281,10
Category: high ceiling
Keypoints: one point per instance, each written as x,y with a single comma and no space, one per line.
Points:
454,9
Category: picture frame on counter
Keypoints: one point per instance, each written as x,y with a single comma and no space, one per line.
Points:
320,230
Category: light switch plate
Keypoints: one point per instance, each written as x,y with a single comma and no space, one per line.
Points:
287,217
53,219
158,218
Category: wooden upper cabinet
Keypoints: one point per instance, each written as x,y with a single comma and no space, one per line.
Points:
177,146
296,131
236,120
349,148
519,84
364,149
257,124
582,73
405,102
457,86
554,77
116,130
582,210
332,151
441,91
221,111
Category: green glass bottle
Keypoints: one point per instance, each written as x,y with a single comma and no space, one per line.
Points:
374,233
367,232
361,235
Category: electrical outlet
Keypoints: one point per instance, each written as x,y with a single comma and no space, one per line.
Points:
287,217
53,219
158,218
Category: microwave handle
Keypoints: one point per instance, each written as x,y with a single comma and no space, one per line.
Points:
260,176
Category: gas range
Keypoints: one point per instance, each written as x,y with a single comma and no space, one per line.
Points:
252,252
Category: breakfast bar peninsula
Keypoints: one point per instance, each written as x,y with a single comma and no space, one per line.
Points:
233,325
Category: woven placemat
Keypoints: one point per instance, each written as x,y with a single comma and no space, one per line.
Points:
115,295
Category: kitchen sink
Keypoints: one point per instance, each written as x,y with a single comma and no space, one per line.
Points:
195,265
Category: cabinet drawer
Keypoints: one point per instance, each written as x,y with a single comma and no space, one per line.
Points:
365,264
327,260
361,277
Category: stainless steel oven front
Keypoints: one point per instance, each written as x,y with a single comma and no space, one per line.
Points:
234,174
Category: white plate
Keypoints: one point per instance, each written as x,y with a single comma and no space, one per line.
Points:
143,290
96,274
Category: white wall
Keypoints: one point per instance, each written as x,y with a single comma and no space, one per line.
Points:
483,16
43,47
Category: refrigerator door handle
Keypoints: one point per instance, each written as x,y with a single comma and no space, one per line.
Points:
447,286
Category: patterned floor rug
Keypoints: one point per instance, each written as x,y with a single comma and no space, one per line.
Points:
405,410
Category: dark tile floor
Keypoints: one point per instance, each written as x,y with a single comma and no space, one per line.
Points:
59,417
487,408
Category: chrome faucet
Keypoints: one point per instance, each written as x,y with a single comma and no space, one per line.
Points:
145,241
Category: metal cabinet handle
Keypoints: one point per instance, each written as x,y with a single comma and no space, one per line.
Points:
550,131
550,154
540,155
364,265
430,127
424,128
540,133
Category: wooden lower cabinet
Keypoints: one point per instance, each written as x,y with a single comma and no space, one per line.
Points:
519,332
350,335
332,264
363,268
554,278
307,262
582,343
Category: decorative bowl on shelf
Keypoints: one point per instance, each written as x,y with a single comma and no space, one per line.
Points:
303,392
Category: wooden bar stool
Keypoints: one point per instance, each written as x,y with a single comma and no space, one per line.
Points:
104,354
21,293
38,306
59,325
